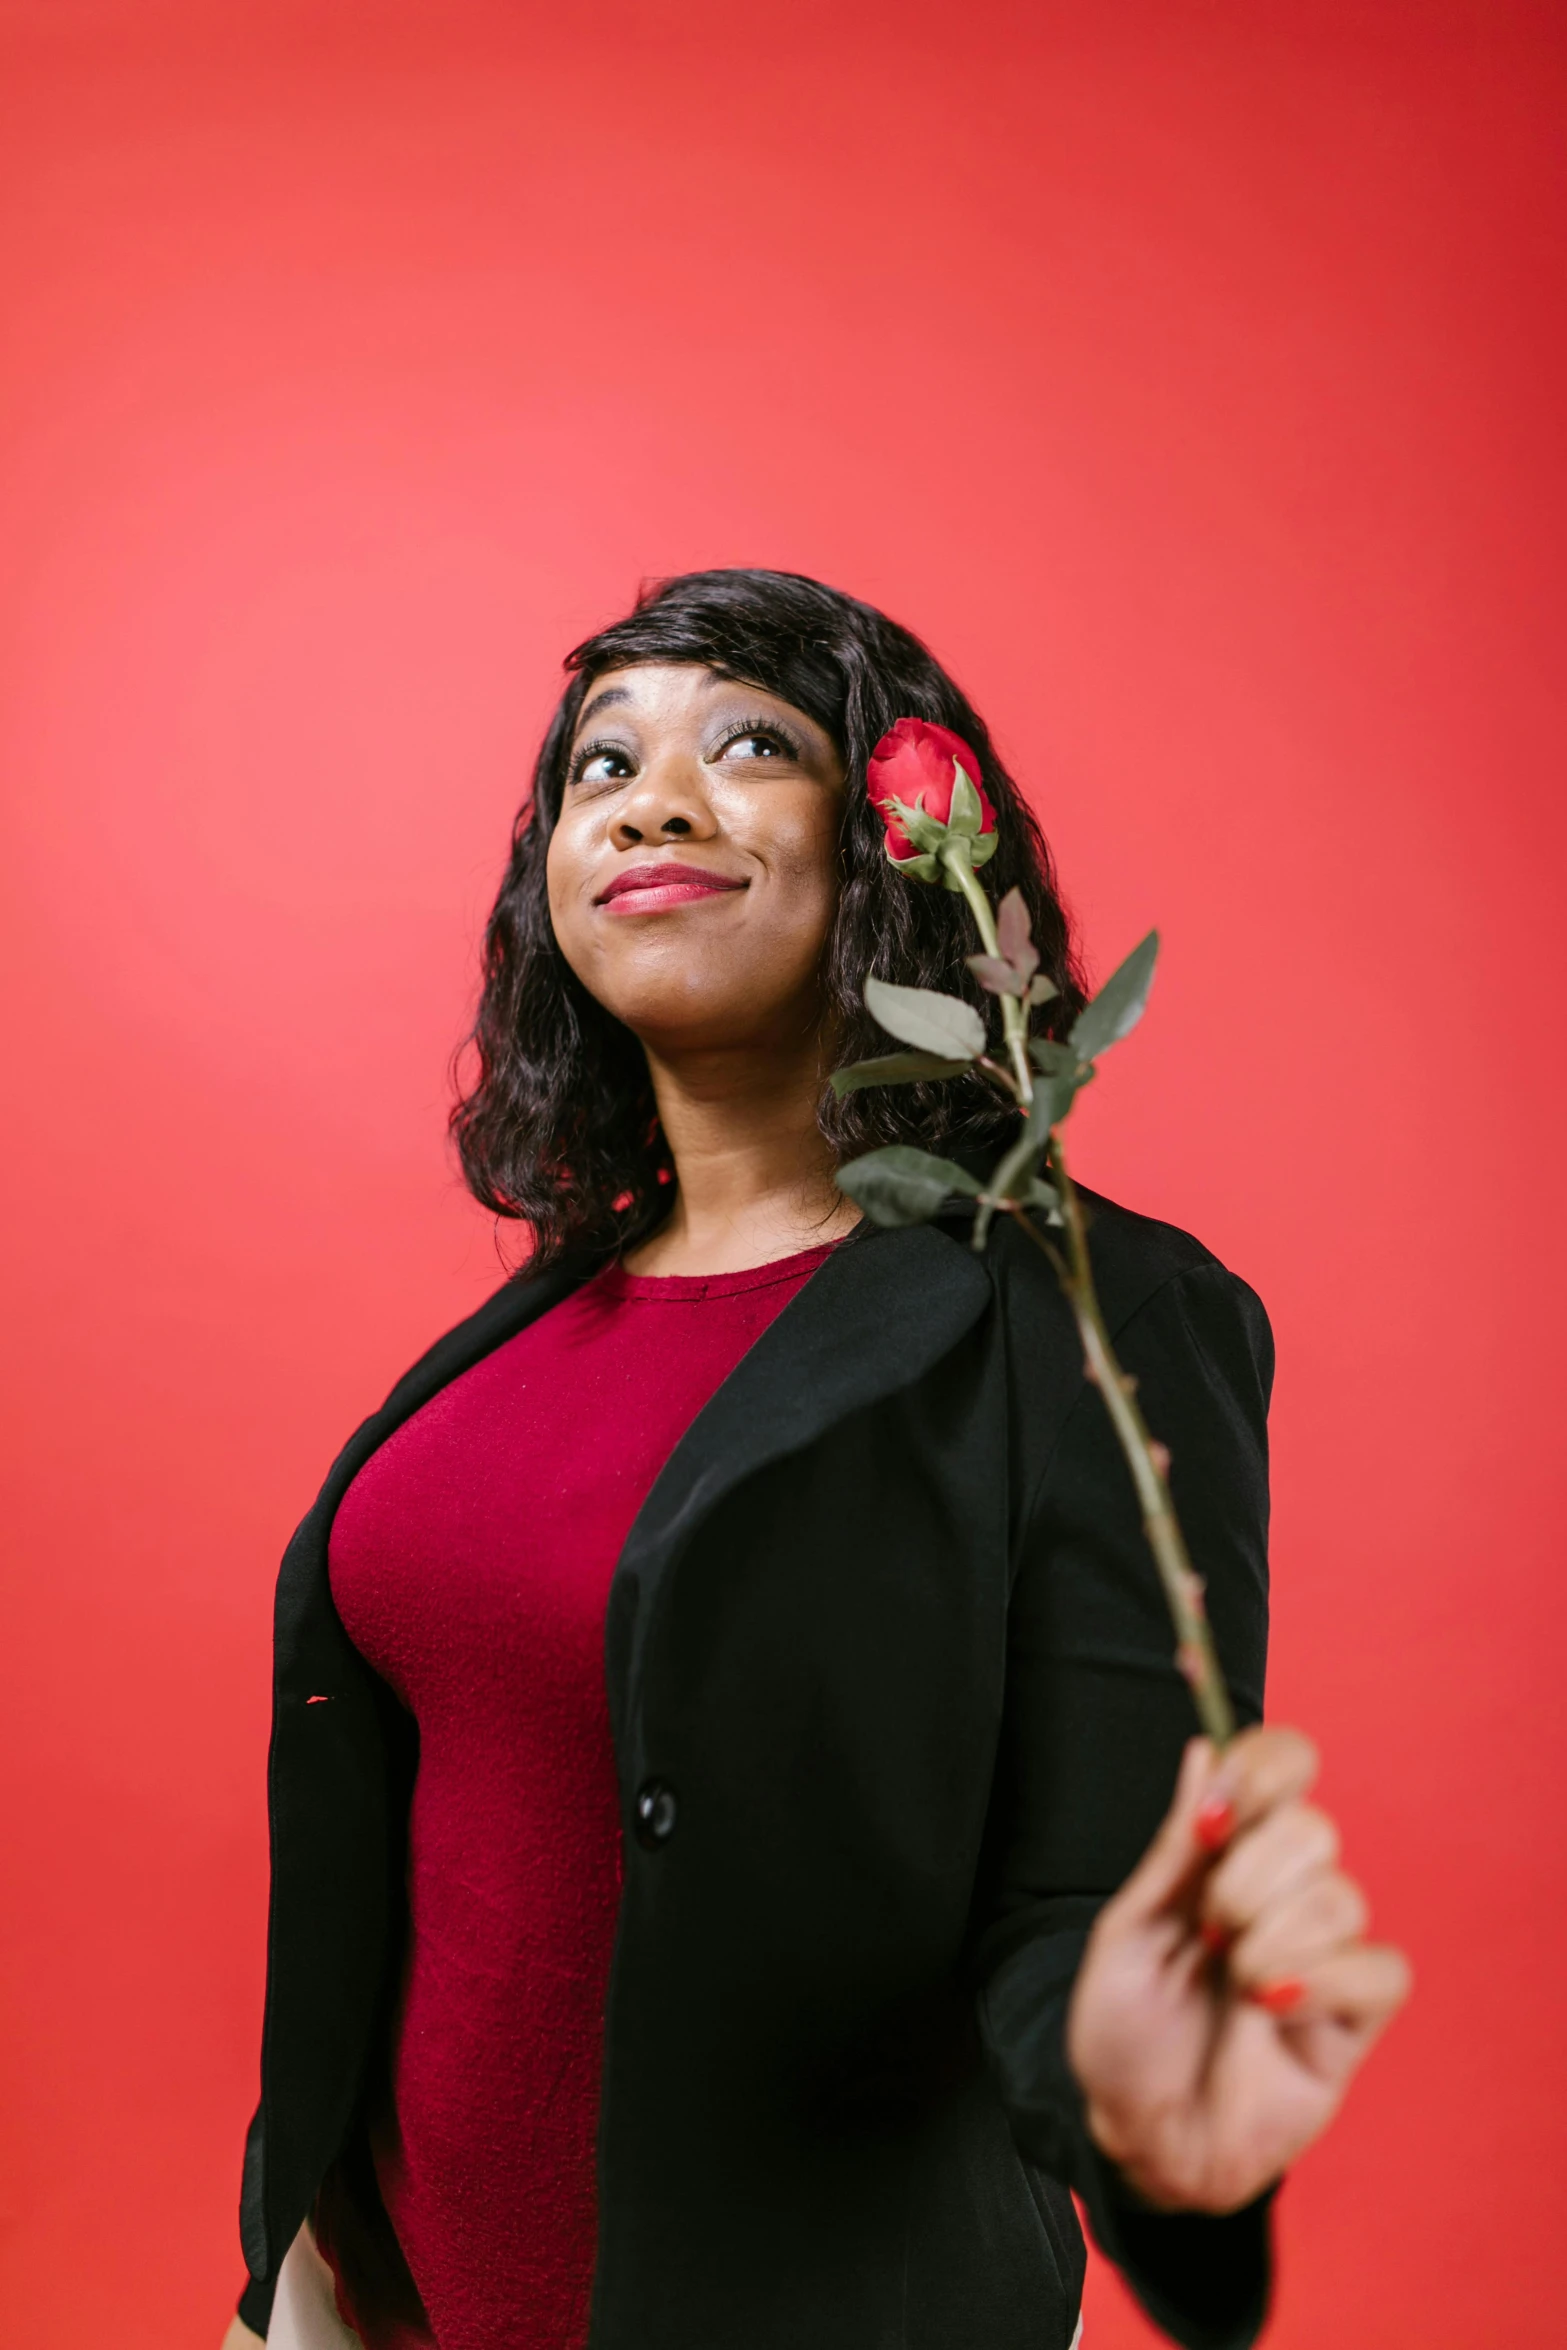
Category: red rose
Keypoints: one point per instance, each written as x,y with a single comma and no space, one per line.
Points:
913,763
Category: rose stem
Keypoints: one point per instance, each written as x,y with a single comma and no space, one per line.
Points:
954,854
1146,1458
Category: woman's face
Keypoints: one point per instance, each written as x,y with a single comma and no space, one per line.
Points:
693,867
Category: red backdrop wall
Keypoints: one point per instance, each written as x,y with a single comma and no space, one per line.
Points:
1192,377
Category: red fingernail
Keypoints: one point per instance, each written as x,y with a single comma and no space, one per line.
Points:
1278,1998
1214,1938
1215,1822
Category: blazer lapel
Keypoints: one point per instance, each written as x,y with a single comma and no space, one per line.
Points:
876,1316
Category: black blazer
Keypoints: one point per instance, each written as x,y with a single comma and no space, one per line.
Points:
894,1710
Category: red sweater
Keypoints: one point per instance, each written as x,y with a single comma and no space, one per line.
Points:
470,1562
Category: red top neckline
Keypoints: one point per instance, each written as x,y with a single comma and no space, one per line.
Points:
681,1289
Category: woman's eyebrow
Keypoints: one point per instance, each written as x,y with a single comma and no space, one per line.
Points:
607,700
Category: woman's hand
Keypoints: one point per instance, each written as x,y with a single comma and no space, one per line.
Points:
1226,1997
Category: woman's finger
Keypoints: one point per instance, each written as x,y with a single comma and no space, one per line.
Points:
1217,1800
1262,1769
1340,2004
1180,1851
1315,1917
1266,1862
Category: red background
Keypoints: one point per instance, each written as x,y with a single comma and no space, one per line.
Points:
1192,377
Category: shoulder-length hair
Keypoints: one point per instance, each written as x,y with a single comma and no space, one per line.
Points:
558,1126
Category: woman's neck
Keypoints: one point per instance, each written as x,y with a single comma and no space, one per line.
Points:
754,1173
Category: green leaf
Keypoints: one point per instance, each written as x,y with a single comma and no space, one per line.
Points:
1043,1195
932,1023
998,975
1015,937
1062,1076
900,1185
893,1069
1117,1008
1042,988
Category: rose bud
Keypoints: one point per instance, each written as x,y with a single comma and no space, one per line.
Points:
924,783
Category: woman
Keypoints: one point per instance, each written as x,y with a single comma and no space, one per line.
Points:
776,1993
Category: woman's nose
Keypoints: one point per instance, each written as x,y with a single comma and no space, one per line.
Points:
666,802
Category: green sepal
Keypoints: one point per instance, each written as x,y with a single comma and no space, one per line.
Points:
894,1069
924,868
926,832
900,1185
979,852
966,816
930,836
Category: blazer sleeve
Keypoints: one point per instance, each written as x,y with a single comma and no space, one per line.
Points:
1095,1721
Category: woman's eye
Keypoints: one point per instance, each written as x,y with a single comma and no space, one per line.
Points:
755,745
604,767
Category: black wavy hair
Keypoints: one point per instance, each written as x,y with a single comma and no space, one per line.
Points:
558,1125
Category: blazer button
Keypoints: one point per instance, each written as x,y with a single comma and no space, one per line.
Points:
655,1813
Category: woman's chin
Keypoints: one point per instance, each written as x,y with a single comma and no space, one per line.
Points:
682,1025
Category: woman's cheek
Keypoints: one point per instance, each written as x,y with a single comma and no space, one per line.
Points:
803,854
570,914
815,904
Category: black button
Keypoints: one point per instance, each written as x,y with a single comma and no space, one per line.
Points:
656,1810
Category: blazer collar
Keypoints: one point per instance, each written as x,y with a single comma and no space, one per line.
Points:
874,1318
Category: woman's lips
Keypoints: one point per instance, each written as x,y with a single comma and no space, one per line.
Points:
650,889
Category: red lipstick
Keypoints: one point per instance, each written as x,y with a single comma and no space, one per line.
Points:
650,889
